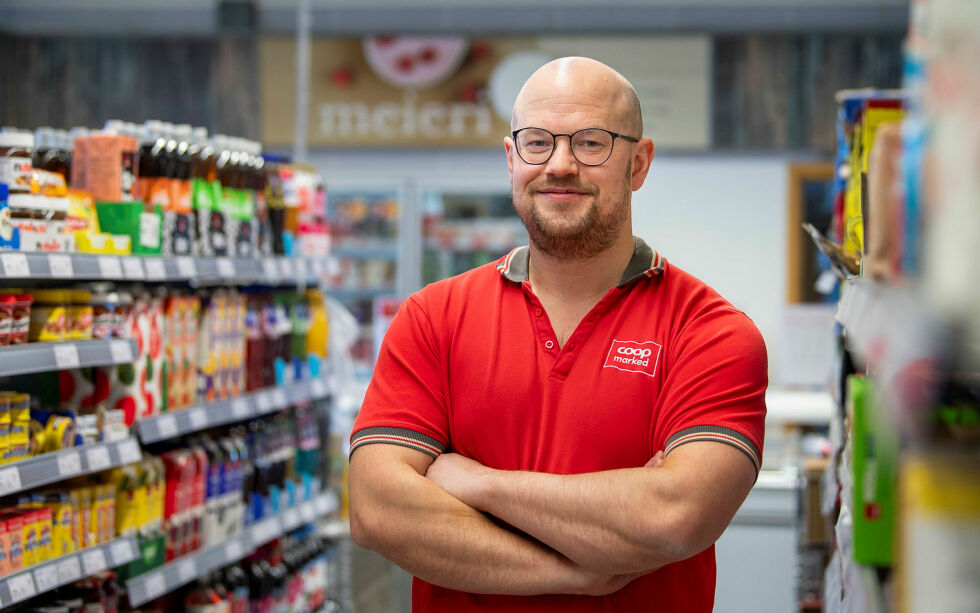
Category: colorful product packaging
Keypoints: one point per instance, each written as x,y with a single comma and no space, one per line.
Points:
12,521
105,165
20,424
5,453
141,223
49,315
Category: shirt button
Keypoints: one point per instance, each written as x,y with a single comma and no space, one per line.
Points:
537,312
549,344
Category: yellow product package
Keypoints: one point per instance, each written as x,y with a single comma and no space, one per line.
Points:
20,424
62,519
4,428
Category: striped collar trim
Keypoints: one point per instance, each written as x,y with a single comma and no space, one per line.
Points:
644,264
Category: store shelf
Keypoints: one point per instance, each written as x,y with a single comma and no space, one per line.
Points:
65,464
254,404
182,571
84,266
368,250
43,357
348,293
66,569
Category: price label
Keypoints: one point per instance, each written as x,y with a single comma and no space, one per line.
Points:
186,267
61,266
306,512
279,398
15,265
199,419
21,587
110,267
46,578
156,270
290,518
264,402
233,551
129,452
269,269
98,458
319,387
302,274
239,408
69,464
226,268
155,586
186,571
93,561
121,350
9,480
321,505
69,570
66,356
266,530
317,265
121,552
133,268
286,266
167,426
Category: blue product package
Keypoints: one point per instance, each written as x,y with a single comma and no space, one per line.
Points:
9,235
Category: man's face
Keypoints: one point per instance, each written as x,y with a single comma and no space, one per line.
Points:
570,210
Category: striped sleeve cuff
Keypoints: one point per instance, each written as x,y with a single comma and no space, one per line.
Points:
396,436
717,434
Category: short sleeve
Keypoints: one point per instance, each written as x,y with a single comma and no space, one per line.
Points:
405,403
715,386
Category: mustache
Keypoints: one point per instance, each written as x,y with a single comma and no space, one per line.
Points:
537,186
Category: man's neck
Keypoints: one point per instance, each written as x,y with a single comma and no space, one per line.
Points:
577,280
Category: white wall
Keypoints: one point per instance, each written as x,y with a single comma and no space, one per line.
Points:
720,217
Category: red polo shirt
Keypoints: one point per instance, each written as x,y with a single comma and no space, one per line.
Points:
471,364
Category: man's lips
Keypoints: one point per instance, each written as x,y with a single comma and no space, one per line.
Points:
558,194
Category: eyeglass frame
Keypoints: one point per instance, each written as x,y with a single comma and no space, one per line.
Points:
554,144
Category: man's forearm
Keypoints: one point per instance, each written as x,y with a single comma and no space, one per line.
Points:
435,537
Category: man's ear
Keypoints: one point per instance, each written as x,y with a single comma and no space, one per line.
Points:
509,149
642,158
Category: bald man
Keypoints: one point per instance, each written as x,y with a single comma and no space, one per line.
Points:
572,427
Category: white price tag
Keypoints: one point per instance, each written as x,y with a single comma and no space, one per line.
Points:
21,587
264,401
319,387
321,505
269,269
286,266
233,551
121,552
155,586
129,451
98,458
69,464
290,519
239,408
61,266
133,268
199,419
110,267
66,356
46,578
279,398
69,570
9,480
156,269
167,426
186,571
15,265
317,265
265,530
186,267
302,273
226,268
306,512
93,561
121,350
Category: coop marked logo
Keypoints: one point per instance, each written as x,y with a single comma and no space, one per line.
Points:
634,356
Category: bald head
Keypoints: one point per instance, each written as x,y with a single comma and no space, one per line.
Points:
580,78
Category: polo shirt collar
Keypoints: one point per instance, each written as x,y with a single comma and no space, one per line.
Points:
644,264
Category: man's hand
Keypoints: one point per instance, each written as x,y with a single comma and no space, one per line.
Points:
459,476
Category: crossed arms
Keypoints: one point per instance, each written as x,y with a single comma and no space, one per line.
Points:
589,533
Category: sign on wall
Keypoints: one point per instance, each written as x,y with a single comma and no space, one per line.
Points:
393,91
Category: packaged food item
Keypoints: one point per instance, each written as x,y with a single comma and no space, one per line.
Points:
5,453
16,151
105,165
49,315
21,325
59,433
31,528
104,302
6,318
52,150
4,548
80,314
46,183
14,523
20,423
41,222
9,236
81,212
140,222
87,429
61,522
45,542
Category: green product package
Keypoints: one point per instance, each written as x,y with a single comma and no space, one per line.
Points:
142,223
205,194
874,470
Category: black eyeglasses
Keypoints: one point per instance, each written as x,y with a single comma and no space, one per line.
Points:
591,146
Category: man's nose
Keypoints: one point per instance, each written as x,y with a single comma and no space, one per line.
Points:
562,162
